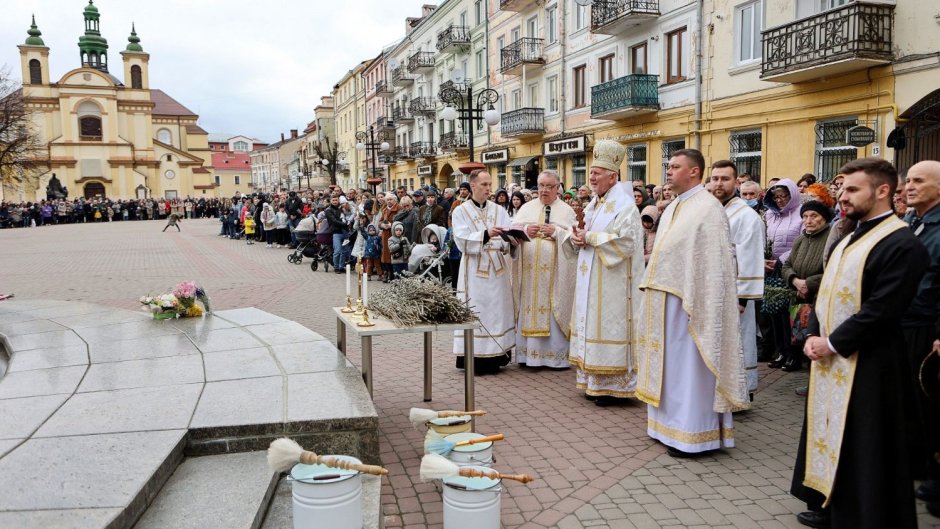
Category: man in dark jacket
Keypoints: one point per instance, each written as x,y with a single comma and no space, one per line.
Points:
294,214
334,218
406,215
429,213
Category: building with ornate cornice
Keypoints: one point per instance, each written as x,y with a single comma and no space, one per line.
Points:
106,137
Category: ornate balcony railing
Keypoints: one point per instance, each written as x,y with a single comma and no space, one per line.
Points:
384,123
453,36
461,88
422,149
522,122
401,115
423,106
420,60
526,50
453,140
401,77
516,5
401,153
630,94
611,16
855,36
382,87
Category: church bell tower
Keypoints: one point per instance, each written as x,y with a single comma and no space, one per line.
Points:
92,46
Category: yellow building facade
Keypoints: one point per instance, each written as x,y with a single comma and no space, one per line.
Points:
106,138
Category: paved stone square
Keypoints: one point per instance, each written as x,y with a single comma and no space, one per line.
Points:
595,466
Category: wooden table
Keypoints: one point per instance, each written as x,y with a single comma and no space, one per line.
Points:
385,327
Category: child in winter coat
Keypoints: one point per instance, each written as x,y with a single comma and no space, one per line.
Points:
650,219
372,253
398,246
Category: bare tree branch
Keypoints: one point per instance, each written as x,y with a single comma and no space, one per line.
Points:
20,149
329,152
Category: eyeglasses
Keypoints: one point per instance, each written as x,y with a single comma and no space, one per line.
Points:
547,186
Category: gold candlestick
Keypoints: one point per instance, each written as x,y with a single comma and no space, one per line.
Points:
348,309
365,319
359,308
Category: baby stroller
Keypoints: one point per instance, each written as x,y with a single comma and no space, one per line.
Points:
306,233
429,260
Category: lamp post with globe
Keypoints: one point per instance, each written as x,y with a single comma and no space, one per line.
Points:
460,106
373,142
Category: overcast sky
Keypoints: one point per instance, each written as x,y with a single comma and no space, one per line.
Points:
246,67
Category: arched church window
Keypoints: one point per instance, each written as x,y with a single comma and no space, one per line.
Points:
164,136
89,121
136,77
35,72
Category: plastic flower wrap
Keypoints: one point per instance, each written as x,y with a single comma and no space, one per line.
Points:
180,303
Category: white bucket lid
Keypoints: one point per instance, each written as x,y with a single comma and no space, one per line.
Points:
465,436
463,483
309,473
450,421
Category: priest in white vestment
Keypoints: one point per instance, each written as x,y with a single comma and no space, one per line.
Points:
609,252
485,275
748,235
543,278
691,366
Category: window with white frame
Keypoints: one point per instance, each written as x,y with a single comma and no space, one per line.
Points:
578,170
636,162
748,21
516,99
552,93
580,17
532,27
481,63
551,24
478,12
534,95
746,152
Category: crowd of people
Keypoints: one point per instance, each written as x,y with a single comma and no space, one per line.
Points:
81,210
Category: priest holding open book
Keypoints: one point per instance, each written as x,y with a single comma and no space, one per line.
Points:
609,251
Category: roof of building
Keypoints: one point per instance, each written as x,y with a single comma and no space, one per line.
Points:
195,129
164,105
235,161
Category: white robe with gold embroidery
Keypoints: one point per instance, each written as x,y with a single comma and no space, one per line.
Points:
609,268
748,234
484,278
542,279
691,367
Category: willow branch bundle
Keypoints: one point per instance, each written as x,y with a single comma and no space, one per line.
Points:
413,301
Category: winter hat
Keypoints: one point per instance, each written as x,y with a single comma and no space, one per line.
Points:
818,207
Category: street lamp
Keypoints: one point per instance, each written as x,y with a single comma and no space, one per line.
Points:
369,140
460,106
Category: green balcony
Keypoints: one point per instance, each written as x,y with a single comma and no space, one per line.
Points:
627,96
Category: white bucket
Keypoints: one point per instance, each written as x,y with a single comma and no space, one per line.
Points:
449,425
476,454
471,503
334,502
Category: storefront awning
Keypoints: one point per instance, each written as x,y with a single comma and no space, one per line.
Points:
521,162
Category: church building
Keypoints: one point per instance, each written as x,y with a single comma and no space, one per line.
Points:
104,137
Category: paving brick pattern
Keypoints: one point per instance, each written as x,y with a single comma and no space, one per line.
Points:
595,466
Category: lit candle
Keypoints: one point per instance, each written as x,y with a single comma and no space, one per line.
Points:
365,293
348,282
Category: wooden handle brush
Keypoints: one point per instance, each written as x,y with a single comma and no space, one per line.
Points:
434,466
419,416
284,453
435,443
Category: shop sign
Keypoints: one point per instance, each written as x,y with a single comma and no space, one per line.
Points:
564,146
860,136
637,136
496,157
425,170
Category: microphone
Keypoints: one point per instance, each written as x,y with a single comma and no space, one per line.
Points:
548,213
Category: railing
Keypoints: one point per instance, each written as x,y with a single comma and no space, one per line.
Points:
522,121
423,105
604,12
855,30
421,59
383,123
422,149
461,88
400,77
453,140
629,91
401,152
452,35
524,50
401,114
382,87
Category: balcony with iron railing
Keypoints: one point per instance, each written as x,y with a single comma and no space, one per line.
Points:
611,17
402,115
522,122
453,38
384,123
401,77
453,141
515,56
855,36
626,96
381,87
461,88
517,5
422,149
401,153
423,106
421,61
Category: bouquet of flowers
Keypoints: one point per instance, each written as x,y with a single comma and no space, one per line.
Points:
181,303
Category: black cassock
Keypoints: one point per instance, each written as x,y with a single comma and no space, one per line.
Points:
873,486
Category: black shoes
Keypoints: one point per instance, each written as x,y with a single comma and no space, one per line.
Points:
793,364
817,519
778,361
680,454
